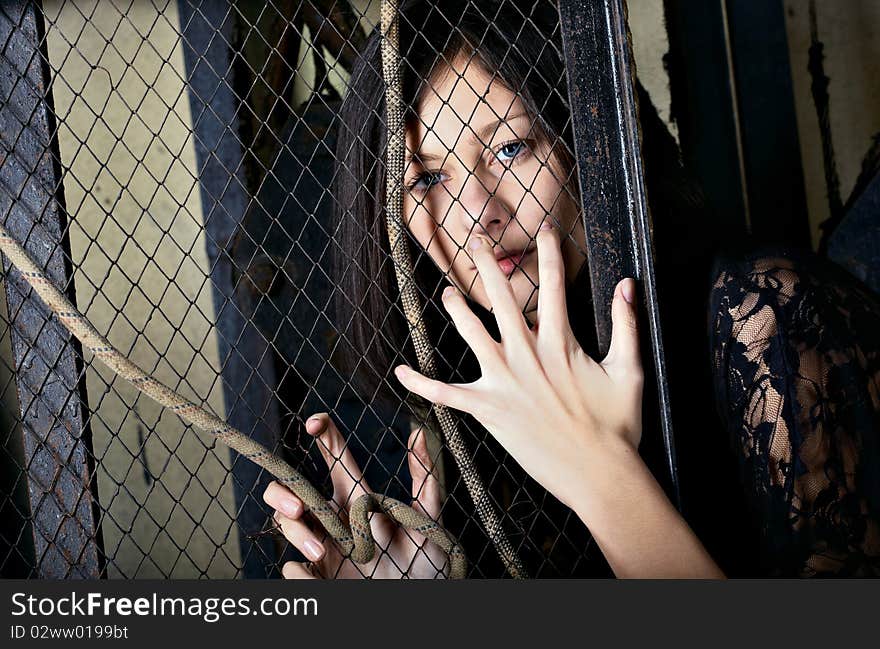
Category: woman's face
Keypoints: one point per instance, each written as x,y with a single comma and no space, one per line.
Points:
476,166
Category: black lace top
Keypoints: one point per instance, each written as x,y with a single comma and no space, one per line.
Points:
795,348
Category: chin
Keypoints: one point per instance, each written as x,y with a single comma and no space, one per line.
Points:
526,301
524,284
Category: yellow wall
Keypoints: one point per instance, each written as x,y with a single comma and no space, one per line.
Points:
650,44
142,272
851,33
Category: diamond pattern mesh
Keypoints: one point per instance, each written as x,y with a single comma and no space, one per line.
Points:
206,179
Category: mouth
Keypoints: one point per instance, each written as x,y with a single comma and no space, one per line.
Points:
510,262
509,259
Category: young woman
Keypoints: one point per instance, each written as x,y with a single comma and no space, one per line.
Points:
491,203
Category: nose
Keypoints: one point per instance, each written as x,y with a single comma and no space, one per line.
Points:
480,209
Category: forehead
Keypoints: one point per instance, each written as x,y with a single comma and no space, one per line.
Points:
459,99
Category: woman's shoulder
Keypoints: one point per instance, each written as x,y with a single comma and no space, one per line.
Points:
795,350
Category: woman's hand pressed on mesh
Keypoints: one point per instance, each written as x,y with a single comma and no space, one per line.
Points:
572,423
545,400
400,552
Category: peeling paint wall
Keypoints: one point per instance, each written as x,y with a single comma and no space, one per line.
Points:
650,44
850,32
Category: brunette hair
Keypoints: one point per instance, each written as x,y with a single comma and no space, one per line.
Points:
518,42
518,46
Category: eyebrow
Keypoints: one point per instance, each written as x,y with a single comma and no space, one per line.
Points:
480,136
484,133
420,157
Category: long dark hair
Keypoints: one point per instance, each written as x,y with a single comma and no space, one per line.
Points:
516,42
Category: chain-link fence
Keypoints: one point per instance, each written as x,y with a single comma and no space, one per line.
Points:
207,182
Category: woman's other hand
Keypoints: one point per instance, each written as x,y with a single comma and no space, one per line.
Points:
400,553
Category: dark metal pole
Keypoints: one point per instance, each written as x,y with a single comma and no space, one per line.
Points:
771,151
247,358
49,371
733,102
601,81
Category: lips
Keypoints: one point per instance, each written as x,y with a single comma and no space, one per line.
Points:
510,259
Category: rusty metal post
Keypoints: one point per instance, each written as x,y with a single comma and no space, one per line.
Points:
49,370
601,81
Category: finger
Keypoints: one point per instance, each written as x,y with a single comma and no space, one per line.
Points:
508,314
454,396
301,536
425,486
470,327
623,360
552,311
426,493
345,474
279,497
294,570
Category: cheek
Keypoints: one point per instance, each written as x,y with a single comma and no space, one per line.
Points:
574,244
549,195
418,220
537,191
552,195
431,237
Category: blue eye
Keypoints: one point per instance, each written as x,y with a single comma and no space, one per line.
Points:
424,181
510,151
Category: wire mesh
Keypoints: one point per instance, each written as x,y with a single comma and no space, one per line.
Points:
204,179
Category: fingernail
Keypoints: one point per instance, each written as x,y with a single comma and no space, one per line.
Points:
313,420
448,291
313,549
546,225
290,508
628,290
475,243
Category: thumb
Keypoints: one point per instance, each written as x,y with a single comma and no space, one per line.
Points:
345,474
623,357
426,493
425,486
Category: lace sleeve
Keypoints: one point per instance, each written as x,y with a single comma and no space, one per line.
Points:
796,364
